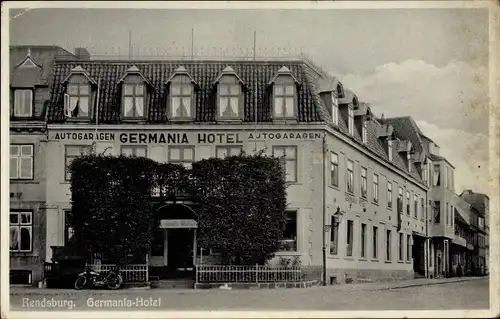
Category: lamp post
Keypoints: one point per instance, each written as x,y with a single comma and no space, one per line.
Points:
337,220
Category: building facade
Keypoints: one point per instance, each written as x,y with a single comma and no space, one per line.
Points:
30,74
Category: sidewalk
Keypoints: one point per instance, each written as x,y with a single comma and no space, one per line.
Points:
398,284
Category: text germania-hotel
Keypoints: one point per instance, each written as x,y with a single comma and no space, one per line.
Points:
184,111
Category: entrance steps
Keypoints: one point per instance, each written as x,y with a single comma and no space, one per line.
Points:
173,284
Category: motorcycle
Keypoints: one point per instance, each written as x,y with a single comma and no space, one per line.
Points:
111,279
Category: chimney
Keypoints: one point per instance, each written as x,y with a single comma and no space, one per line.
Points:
82,54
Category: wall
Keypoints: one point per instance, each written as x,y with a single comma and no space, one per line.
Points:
445,195
31,198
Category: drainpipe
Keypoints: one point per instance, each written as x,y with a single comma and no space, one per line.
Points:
324,209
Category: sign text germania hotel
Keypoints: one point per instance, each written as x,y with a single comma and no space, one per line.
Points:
183,138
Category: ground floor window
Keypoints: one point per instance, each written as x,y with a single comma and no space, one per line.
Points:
68,227
408,247
350,230
21,227
289,242
183,155
375,242
401,247
334,237
388,245
20,277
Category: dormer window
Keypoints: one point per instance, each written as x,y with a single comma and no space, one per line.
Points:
364,132
181,95
389,149
284,99
134,94
229,95
351,120
23,103
78,100
335,109
133,100
78,94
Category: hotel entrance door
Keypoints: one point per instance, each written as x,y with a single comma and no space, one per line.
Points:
180,252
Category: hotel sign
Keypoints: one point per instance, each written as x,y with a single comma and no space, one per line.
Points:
178,223
183,137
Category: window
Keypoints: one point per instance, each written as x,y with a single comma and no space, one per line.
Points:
284,100
452,180
334,237
289,241
422,208
69,232
364,132
290,157
436,176
408,247
21,161
23,103
389,194
77,100
20,277
389,149
21,231
134,150
133,100
408,203
350,176
388,244
447,215
334,169
437,212
375,188
431,252
181,97
223,151
72,152
445,176
415,206
401,247
400,199
229,98
425,173
375,242
351,120
335,109
183,155
350,230
363,240
363,182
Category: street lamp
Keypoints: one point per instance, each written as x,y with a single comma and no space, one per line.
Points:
337,219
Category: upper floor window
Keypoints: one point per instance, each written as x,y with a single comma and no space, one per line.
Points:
363,182
226,151
229,95
389,194
422,209
134,150
21,236
389,149
400,200
335,109
364,132
375,188
350,176
78,100
133,100
334,169
351,120
415,206
21,161
408,203
437,212
23,103
284,95
72,152
181,97
290,158
436,175
183,155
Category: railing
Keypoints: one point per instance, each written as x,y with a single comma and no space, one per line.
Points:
130,273
247,274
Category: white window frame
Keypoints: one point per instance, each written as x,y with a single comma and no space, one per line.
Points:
350,177
376,188
350,123
226,91
185,94
334,236
335,109
223,151
280,96
363,240
19,157
136,95
294,242
364,182
389,149
283,149
415,206
68,96
389,195
83,149
19,225
364,132
18,96
183,159
408,203
349,250
334,169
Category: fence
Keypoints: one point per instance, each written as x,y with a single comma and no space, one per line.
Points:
130,273
247,274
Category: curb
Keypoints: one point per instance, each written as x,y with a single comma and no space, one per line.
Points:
427,284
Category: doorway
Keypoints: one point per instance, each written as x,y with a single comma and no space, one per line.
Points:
180,252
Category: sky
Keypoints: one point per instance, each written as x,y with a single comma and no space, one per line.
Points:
431,64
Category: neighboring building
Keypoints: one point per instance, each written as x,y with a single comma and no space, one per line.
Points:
462,245
30,75
348,174
479,204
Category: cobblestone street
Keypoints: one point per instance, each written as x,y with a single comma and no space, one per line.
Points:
469,294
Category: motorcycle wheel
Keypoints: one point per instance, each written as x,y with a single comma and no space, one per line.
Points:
115,282
80,282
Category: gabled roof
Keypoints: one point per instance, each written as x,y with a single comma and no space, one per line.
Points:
256,75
